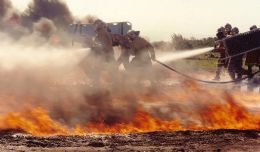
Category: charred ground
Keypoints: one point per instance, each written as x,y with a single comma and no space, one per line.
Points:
215,141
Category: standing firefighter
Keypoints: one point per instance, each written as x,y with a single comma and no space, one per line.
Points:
104,40
221,49
252,58
143,53
101,60
235,63
228,29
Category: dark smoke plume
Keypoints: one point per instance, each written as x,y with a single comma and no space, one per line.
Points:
89,19
44,27
55,10
5,5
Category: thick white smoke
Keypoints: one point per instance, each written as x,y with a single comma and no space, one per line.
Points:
15,55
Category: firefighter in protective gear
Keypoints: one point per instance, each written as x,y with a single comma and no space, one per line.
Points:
124,43
141,49
221,49
228,29
103,41
143,53
101,60
252,58
235,68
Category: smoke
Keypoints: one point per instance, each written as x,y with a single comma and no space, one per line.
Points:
55,10
89,19
36,73
77,88
74,85
44,27
5,6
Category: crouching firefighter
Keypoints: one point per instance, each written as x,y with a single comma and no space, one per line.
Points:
222,63
123,42
143,52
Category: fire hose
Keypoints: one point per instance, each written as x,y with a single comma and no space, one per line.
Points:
203,81
243,53
251,37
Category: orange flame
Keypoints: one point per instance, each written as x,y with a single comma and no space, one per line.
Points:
230,116
37,121
34,121
143,122
226,113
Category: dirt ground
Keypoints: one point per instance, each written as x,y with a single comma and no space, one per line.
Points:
187,141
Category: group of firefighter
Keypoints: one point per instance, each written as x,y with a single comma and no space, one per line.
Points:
234,65
102,54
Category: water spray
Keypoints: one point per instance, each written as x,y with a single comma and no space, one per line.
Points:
178,55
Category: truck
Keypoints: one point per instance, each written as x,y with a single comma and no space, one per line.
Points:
84,33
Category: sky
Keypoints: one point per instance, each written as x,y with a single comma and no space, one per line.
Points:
159,19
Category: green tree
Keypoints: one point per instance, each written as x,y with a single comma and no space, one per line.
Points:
181,43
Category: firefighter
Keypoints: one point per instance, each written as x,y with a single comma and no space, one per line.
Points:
235,63
143,53
228,29
252,58
124,43
100,62
221,49
103,40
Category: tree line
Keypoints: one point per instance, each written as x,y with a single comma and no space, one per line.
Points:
178,42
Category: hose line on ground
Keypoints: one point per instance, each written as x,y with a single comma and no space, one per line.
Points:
203,81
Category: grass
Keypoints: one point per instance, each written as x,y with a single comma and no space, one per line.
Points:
207,64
